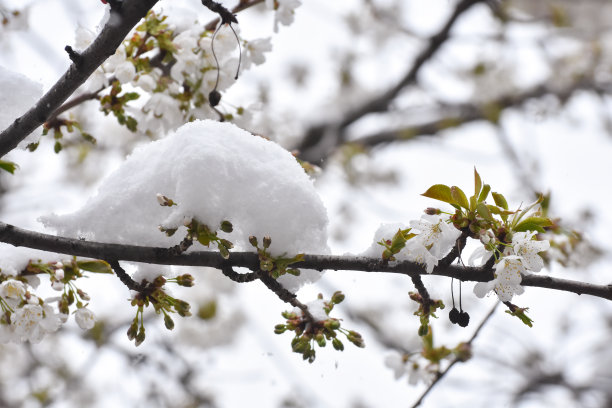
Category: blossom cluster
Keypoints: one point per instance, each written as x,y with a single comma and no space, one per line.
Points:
519,258
28,317
426,242
415,371
164,74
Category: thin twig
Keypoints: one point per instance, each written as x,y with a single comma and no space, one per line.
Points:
456,360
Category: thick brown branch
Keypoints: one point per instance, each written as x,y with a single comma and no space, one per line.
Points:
166,256
116,29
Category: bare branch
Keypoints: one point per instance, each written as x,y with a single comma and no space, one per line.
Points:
167,256
308,146
121,21
467,113
456,360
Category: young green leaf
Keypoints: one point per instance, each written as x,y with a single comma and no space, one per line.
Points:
440,192
95,266
484,212
459,197
484,193
500,200
533,224
477,183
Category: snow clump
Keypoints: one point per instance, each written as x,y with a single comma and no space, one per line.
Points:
214,172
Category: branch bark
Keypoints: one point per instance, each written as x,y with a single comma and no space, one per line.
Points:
167,256
120,23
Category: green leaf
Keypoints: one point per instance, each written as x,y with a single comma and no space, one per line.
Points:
439,192
8,166
533,224
520,313
500,200
477,183
484,212
459,197
484,193
95,266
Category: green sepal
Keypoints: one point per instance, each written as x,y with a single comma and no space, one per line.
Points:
520,312
8,166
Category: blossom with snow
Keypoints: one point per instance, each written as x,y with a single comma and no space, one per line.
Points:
418,253
435,234
85,318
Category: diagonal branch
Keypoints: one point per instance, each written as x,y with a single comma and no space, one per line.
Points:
167,256
467,113
119,24
315,135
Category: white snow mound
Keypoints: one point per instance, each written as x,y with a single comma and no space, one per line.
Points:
214,171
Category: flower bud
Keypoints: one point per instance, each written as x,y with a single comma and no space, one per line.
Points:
226,226
267,241
185,280
337,297
168,322
337,344
253,241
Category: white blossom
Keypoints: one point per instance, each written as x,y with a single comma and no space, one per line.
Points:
285,12
12,288
416,372
435,234
508,276
528,248
255,51
418,253
32,322
85,318
125,72
146,83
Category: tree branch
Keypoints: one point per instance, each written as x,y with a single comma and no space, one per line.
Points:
316,134
167,256
467,113
119,24
456,360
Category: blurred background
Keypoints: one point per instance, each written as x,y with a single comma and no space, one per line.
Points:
385,102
